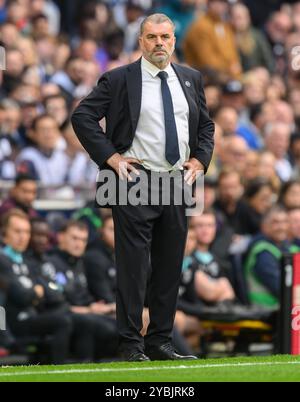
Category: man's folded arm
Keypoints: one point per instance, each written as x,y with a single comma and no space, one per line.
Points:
206,131
86,118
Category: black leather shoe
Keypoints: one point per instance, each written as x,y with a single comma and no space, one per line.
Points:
134,356
166,352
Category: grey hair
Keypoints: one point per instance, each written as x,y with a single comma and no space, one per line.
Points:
9,104
271,126
157,19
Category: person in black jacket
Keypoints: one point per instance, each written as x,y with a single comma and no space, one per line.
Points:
40,267
100,264
27,300
88,313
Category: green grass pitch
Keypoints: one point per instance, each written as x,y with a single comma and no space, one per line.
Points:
275,369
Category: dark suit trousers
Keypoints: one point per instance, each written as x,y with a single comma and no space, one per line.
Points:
148,236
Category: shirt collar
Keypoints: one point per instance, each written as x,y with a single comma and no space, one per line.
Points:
153,70
13,255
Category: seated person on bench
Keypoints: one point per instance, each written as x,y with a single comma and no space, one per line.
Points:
263,262
202,279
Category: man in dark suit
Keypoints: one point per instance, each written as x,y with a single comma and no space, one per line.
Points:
156,121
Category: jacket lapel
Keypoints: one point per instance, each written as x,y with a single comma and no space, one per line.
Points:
134,88
189,92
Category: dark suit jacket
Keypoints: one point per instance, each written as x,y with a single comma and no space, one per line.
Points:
118,98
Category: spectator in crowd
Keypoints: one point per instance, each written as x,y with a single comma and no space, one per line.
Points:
9,34
86,50
263,262
28,96
213,93
290,195
82,171
135,13
11,141
251,170
27,47
228,119
40,245
210,42
267,169
278,27
283,113
253,47
49,90
45,160
22,196
14,68
229,201
40,26
100,264
27,301
259,196
49,10
11,121
209,282
182,13
234,154
277,139
57,107
71,77
89,313
233,95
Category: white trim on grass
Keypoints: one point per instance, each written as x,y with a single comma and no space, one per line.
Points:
145,368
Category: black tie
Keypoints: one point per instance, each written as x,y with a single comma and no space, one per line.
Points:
172,146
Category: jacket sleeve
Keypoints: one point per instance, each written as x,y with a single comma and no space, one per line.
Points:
14,291
95,267
267,269
20,296
86,118
206,131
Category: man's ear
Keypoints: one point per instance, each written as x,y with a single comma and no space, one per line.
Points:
140,41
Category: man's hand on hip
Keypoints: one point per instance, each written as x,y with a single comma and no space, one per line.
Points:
123,166
194,170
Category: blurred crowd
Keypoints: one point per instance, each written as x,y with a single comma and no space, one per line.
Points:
58,277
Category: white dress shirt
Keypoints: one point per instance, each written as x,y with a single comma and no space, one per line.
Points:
52,170
150,137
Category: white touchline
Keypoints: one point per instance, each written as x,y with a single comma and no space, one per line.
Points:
144,368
